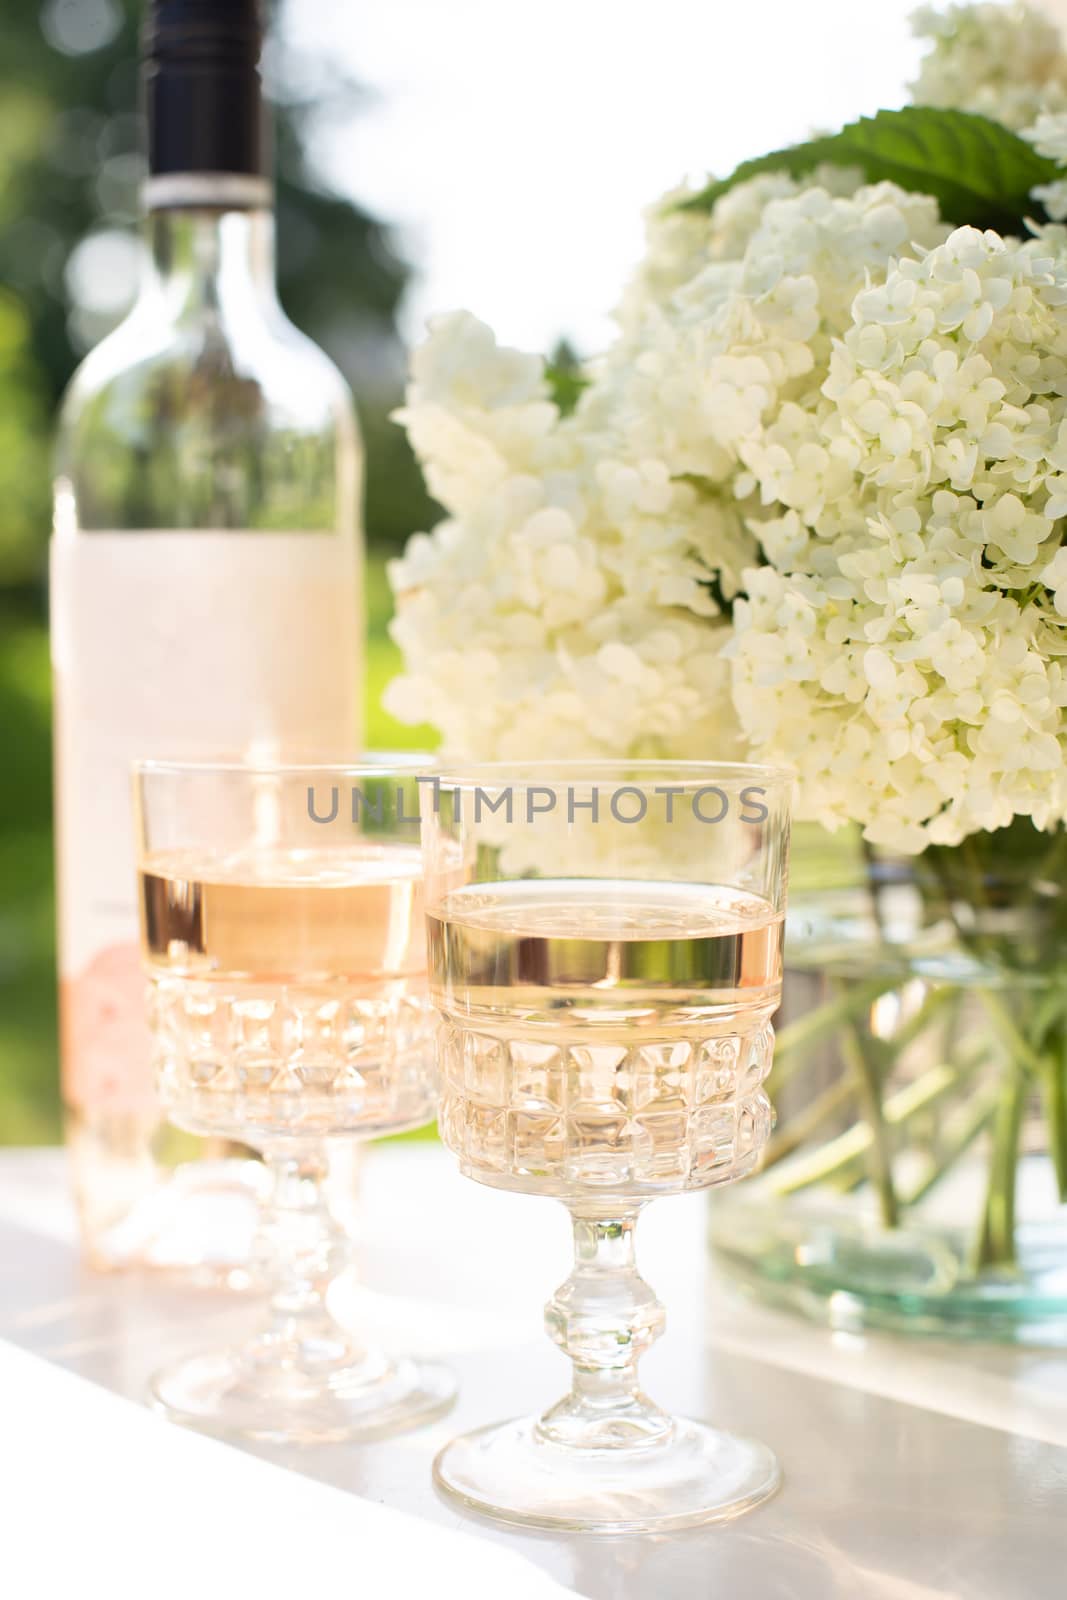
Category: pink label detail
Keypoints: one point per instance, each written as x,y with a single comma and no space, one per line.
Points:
106,1046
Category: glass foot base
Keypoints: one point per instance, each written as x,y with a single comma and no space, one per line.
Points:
230,1394
511,1472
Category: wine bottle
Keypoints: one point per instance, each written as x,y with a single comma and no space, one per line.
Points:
206,569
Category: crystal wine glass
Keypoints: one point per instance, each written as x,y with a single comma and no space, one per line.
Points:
605,947
283,939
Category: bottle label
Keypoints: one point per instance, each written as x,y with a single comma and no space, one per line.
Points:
182,644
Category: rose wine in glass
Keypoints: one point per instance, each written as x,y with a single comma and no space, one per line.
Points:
605,975
284,945
599,1033
287,989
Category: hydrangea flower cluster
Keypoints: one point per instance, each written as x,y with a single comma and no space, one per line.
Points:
1005,61
806,510
571,602
906,651
1049,138
563,607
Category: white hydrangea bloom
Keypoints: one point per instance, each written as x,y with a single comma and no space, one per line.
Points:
678,243
1005,61
571,603
808,509
908,657
564,608
1049,137
475,414
693,380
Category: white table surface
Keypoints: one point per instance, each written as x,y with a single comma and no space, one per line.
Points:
912,1470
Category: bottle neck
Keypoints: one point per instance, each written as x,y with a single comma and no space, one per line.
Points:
203,260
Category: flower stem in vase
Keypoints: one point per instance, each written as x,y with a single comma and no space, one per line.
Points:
1054,1095
842,1161
803,1124
868,1078
960,1139
798,1039
996,1237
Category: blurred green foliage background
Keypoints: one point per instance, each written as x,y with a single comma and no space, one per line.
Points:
70,170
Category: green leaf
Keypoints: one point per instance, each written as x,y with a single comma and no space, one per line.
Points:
978,171
565,378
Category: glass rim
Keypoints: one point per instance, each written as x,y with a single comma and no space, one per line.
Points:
637,773
372,763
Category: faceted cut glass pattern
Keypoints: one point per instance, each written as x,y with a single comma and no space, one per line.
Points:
561,1118
326,1059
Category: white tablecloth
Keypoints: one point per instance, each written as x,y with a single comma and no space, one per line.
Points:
911,1470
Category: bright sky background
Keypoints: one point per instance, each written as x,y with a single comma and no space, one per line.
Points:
514,146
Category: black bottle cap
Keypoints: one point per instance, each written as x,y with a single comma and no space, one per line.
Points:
202,93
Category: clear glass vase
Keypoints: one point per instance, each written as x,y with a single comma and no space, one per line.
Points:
918,1172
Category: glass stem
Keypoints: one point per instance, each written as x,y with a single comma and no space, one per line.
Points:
306,1250
604,1317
